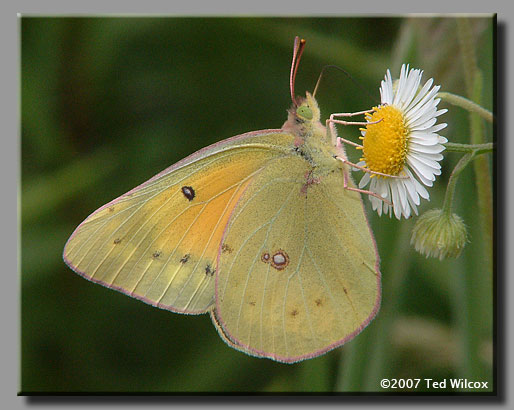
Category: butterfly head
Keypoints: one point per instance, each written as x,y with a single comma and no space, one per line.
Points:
303,117
307,109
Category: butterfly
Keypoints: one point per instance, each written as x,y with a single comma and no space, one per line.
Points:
265,231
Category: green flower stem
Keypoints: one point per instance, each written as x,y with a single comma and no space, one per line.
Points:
450,189
468,105
472,285
475,149
404,44
368,358
471,151
482,174
470,304
352,368
381,351
467,47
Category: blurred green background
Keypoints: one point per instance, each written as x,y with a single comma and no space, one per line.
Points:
109,102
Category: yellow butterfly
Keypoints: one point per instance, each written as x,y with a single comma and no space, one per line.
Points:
265,231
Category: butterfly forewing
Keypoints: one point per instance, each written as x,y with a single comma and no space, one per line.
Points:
160,241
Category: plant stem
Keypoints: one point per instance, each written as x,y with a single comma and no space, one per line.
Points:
468,105
471,286
450,189
469,61
367,360
482,173
475,149
381,351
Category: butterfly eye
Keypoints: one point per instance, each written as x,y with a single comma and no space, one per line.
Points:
304,112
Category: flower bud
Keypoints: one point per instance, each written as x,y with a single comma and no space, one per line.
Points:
439,234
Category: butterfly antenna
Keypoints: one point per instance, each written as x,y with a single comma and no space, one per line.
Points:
298,47
348,75
317,82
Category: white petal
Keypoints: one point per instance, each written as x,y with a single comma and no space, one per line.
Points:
436,128
389,196
426,170
409,89
399,87
400,202
425,149
420,94
364,180
386,89
396,203
422,123
413,206
379,187
427,181
433,156
411,191
423,138
375,202
421,108
427,160
420,189
432,160
422,105
415,81
402,194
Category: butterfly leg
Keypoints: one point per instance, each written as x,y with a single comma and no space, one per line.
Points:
370,171
362,191
345,160
342,158
351,114
332,120
331,131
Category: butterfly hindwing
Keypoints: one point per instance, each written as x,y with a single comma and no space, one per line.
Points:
160,241
302,277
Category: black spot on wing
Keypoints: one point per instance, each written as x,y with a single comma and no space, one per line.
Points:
305,155
209,271
280,259
188,192
226,248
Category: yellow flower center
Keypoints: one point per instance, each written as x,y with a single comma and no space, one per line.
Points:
385,143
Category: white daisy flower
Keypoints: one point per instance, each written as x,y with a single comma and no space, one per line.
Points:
405,143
